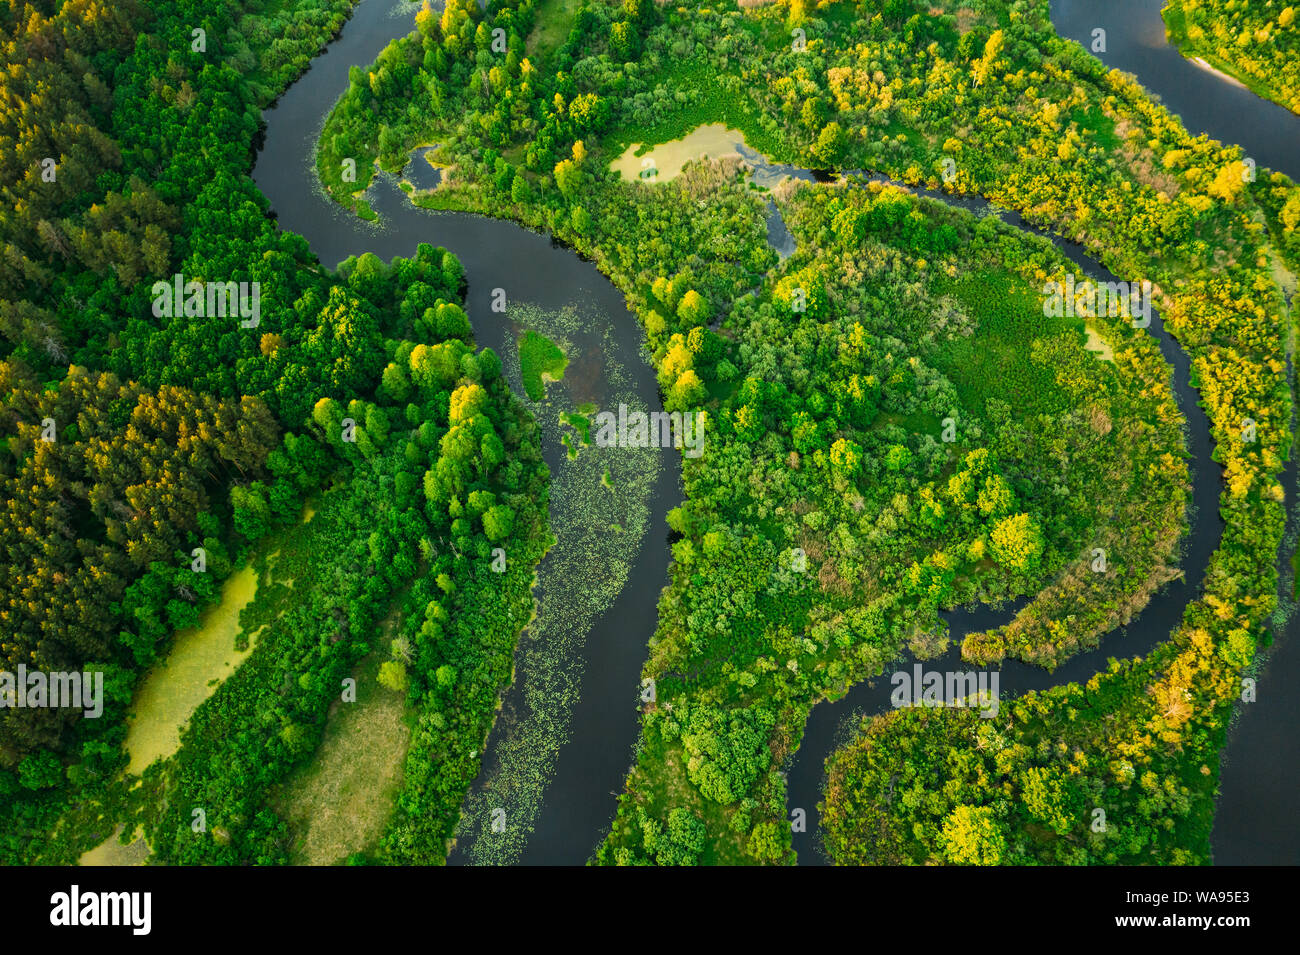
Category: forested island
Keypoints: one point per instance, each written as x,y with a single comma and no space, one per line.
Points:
896,424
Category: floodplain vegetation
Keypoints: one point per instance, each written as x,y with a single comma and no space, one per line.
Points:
134,441
830,520
895,426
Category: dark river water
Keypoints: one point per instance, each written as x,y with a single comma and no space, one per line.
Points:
1207,102
1257,823
831,723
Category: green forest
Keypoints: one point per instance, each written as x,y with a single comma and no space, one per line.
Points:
896,426
359,388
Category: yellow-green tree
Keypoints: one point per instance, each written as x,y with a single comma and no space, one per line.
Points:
971,836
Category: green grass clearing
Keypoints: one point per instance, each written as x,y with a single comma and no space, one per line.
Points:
339,802
554,21
998,360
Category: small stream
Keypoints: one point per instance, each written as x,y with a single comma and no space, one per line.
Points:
830,724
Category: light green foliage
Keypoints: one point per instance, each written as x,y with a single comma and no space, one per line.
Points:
539,356
971,836
392,674
1016,542
726,749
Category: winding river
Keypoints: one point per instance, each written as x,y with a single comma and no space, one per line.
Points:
591,766
604,722
830,723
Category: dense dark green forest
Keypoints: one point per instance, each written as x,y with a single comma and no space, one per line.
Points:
170,432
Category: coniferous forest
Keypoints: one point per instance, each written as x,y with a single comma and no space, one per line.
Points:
872,339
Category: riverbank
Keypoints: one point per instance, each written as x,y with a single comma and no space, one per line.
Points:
1205,49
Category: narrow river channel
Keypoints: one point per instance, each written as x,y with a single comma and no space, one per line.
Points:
603,723
1256,822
